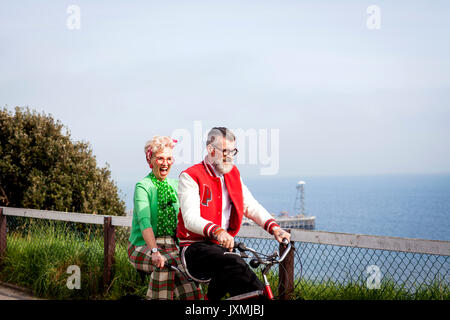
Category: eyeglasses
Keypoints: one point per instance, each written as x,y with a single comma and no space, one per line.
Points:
161,160
227,152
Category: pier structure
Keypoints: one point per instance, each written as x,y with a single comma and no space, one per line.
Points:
289,222
299,221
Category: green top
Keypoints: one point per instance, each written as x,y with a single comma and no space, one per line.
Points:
145,211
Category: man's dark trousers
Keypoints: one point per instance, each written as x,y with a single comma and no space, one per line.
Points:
229,273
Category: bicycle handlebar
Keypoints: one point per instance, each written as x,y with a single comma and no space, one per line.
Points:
242,247
170,266
288,244
186,274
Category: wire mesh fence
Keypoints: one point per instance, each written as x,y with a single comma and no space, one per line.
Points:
323,271
40,252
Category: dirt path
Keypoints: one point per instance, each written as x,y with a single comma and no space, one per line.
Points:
12,292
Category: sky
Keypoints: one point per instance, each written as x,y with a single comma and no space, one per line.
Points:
313,88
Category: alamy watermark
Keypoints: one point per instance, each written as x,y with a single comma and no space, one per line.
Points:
256,146
74,280
374,279
73,21
373,22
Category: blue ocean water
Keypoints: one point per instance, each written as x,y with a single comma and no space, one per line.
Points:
412,206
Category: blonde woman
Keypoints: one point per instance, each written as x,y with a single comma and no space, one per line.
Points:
152,240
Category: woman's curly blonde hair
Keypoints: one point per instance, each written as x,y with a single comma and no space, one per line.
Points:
157,144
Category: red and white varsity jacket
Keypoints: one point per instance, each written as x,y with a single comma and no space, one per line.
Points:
200,196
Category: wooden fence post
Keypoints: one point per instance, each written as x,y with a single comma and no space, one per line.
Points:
286,274
109,249
2,235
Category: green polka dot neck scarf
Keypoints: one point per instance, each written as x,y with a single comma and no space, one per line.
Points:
167,217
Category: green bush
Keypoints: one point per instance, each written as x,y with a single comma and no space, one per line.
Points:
41,168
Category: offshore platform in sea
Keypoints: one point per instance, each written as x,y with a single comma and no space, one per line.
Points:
300,220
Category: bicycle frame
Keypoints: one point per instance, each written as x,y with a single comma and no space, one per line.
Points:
268,262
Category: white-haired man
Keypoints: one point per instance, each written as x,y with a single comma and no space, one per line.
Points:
213,200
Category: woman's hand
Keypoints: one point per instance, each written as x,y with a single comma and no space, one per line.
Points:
149,237
158,260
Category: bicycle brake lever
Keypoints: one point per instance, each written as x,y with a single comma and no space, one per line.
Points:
241,247
244,255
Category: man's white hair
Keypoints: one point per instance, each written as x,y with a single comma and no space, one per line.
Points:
219,163
216,132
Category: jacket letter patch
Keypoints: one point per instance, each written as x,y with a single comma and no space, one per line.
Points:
206,196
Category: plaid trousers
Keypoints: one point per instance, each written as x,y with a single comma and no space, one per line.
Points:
164,284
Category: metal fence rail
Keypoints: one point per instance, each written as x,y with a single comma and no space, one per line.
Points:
326,265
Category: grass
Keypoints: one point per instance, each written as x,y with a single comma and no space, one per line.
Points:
38,259
388,290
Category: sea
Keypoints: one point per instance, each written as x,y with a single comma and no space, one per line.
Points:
402,205
408,206
411,206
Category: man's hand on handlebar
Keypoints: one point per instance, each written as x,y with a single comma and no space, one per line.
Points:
280,234
225,239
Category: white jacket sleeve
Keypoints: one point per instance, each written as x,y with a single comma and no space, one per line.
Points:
189,197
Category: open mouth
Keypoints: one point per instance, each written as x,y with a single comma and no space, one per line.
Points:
164,170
